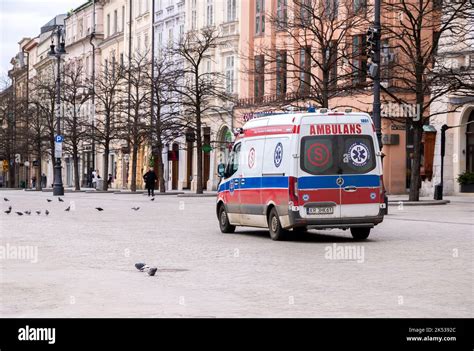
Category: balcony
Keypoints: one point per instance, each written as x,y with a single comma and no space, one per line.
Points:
230,28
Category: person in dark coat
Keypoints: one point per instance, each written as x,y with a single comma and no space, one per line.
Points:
150,179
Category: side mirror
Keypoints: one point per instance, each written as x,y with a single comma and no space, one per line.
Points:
221,170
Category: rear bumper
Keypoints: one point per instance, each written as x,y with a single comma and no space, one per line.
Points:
295,220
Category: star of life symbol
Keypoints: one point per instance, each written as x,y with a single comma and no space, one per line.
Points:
359,154
278,156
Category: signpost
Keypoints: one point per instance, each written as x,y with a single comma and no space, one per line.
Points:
58,146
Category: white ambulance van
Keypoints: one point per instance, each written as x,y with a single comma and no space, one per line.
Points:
293,171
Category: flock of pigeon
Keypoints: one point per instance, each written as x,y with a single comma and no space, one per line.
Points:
46,212
142,267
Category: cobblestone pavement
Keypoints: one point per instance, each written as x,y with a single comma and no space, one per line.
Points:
417,263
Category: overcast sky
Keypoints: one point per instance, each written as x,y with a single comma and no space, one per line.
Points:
24,18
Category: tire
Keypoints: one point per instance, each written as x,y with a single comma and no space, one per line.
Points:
224,224
360,233
277,233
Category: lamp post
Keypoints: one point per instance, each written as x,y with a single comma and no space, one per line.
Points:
57,51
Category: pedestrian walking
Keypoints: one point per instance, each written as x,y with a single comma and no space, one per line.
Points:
109,180
94,178
150,179
33,182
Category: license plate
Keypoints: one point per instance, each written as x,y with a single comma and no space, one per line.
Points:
320,210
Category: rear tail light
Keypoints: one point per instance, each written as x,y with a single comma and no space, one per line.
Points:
293,190
382,189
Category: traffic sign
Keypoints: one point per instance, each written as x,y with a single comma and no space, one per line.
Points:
59,139
58,150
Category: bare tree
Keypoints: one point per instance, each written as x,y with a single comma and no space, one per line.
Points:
76,93
412,30
200,91
139,108
43,100
165,121
109,91
7,131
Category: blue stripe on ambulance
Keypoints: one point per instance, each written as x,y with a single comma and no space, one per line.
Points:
309,182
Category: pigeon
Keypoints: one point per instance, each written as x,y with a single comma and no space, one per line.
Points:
135,208
38,212
19,213
99,209
152,199
67,209
60,200
28,212
46,212
9,210
5,199
49,200
140,266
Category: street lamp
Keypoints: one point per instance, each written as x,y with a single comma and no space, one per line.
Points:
57,51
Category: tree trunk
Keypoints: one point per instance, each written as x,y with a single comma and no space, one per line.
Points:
133,186
105,170
199,188
11,174
39,171
159,161
75,159
415,178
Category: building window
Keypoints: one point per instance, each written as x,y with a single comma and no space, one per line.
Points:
122,61
281,72
359,60
231,10
108,25
123,18
332,63
331,8
282,13
193,16
106,67
114,63
229,74
210,12
170,36
115,21
360,5
305,69
259,81
306,12
260,17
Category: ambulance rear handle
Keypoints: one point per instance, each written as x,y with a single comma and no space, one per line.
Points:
350,188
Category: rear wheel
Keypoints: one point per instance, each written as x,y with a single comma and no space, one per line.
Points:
277,233
360,233
224,223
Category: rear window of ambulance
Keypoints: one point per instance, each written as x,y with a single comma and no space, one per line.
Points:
337,154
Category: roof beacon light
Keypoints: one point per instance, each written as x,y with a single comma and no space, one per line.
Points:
323,110
311,109
348,110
